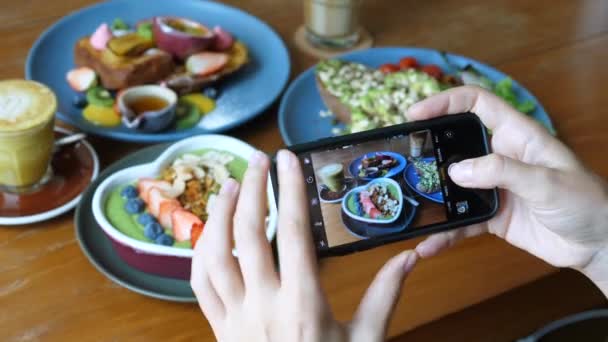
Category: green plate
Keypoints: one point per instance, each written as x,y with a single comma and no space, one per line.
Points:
98,248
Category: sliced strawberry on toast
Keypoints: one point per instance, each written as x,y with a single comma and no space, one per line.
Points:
184,222
206,63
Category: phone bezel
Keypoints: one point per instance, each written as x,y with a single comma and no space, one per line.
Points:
334,142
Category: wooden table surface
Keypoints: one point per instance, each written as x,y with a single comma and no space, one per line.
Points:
558,49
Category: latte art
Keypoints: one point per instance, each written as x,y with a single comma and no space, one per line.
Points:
25,105
14,105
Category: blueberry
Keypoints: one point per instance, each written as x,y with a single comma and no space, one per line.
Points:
210,92
153,230
134,206
129,192
145,219
80,101
164,239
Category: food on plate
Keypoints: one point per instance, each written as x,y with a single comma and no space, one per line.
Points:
100,97
178,53
171,210
367,98
120,72
363,97
181,37
376,165
377,201
101,115
428,176
332,176
82,79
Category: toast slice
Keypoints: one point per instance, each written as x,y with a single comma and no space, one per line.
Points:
333,103
184,83
119,72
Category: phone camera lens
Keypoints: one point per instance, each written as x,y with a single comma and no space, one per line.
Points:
449,134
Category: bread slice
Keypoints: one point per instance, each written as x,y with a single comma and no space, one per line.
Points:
119,72
184,83
341,111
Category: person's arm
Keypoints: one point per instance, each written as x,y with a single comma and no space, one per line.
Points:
597,268
245,298
551,205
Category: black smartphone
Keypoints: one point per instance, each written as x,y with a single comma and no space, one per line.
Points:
371,188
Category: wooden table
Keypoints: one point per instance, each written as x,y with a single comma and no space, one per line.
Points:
557,48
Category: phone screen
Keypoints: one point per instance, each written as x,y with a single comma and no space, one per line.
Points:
390,186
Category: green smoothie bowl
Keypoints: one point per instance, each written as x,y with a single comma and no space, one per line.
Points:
155,213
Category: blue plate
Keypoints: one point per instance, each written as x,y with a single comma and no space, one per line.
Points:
299,119
242,96
353,168
412,179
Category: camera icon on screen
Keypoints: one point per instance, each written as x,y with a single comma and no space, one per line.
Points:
462,207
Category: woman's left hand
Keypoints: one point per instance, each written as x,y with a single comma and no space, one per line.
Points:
245,299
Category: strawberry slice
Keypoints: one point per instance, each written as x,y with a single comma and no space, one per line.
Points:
144,186
165,212
206,63
156,198
195,234
184,222
81,79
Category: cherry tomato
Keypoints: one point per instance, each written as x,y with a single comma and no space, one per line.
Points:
408,63
389,68
432,70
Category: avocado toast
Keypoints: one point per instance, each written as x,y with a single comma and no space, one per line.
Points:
365,98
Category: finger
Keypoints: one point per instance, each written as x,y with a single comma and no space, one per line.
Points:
436,243
208,300
296,253
215,246
514,134
530,182
255,254
492,111
378,303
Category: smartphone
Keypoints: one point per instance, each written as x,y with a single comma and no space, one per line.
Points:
376,187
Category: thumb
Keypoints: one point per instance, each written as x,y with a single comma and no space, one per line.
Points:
528,181
376,307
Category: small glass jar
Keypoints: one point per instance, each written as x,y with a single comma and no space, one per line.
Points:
332,23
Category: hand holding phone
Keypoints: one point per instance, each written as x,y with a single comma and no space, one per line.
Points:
242,297
390,184
552,206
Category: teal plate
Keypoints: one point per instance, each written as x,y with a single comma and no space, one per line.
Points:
98,248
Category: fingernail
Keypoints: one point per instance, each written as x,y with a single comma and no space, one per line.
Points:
462,171
256,158
410,261
229,187
422,249
284,160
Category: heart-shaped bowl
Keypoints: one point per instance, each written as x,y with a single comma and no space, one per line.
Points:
168,261
393,187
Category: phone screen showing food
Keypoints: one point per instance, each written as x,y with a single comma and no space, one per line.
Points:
388,187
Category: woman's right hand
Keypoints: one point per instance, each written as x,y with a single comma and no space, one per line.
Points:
551,206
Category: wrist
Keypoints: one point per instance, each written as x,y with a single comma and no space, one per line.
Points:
597,270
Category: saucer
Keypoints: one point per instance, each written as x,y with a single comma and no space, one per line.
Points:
74,167
349,183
